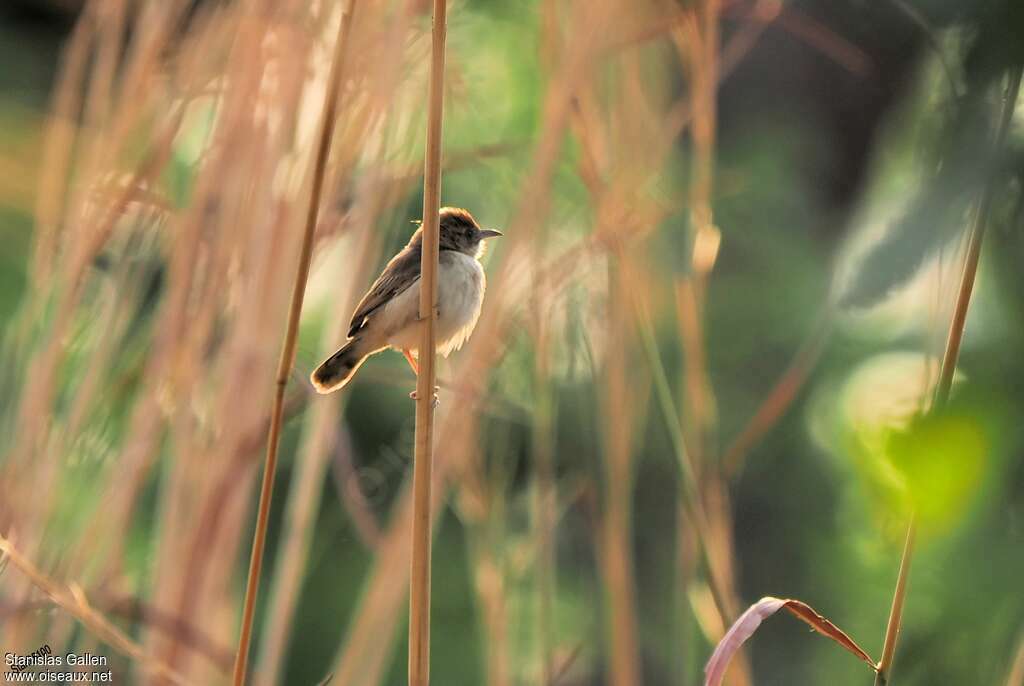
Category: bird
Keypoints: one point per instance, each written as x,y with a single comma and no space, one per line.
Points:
388,314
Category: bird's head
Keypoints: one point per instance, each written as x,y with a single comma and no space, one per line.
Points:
459,231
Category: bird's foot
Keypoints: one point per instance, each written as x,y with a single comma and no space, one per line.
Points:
435,402
437,314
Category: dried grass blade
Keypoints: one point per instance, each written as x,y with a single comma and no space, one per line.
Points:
744,627
808,614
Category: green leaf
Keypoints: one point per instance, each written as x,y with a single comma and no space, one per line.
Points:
942,457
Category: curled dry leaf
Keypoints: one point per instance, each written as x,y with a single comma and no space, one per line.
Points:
747,624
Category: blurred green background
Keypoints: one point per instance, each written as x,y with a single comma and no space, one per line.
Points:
826,147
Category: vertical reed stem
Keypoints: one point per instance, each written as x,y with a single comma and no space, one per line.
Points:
892,629
963,300
419,580
617,525
287,359
949,359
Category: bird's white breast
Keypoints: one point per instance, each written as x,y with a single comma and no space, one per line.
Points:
460,293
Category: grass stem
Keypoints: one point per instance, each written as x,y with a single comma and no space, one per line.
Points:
72,599
419,580
963,300
892,630
949,360
287,359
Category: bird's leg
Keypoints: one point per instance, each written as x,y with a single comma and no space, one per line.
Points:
416,370
412,361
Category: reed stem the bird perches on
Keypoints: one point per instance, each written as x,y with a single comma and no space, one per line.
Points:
419,580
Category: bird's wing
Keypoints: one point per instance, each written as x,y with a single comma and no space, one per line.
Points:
401,272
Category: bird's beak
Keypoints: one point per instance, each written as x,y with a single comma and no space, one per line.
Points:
489,233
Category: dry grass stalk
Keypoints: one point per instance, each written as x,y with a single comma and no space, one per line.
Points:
314,453
287,359
617,542
699,404
419,580
74,601
135,610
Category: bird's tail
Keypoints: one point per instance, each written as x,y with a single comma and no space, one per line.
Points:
336,371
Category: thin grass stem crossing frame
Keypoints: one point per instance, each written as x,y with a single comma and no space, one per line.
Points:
287,359
949,360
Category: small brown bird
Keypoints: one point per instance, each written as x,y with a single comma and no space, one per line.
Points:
386,317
